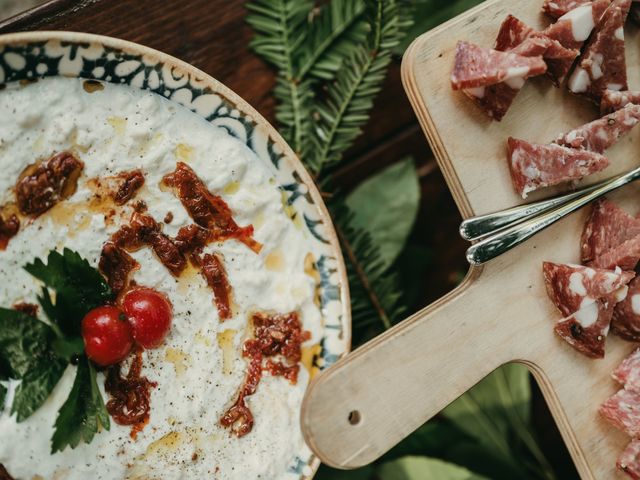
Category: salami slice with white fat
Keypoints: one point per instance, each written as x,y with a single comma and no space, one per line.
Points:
625,256
477,67
629,461
558,8
535,166
608,227
516,37
628,372
495,100
571,31
586,330
622,410
613,100
602,65
573,287
601,134
626,318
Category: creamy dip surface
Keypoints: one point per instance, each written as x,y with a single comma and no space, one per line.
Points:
199,369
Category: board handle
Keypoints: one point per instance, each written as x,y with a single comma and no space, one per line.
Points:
369,401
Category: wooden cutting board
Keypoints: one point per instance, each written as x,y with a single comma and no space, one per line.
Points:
370,401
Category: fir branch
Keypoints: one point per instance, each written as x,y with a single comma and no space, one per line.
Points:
337,27
375,290
282,27
350,98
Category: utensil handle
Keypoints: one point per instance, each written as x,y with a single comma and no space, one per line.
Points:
365,404
504,240
481,226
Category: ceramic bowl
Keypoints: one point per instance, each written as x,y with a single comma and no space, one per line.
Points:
32,55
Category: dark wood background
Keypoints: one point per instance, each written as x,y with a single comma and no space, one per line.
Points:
212,35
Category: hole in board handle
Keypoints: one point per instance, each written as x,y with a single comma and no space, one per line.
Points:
354,417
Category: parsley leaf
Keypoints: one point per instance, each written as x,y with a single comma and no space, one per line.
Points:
79,288
26,354
83,414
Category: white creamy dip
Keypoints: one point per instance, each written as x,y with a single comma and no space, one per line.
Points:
199,369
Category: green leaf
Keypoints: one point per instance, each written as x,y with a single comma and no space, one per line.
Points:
83,414
35,388
434,439
68,347
3,396
386,206
497,409
481,412
424,468
79,288
24,343
26,354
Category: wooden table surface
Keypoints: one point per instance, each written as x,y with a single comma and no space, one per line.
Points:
212,35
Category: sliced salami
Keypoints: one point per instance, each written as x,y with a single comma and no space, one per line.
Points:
573,287
623,411
628,372
586,330
613,100
516,37
535,166
495,100
608,227
572,30
558,8
603,64
626,317
626,256
601,134
629,461
477,67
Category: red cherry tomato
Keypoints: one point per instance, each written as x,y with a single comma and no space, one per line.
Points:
149,314
107,335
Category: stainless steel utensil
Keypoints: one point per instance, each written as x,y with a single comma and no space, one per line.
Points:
499,232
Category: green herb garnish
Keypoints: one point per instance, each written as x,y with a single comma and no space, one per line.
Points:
26,353
79,288
38,353
83,414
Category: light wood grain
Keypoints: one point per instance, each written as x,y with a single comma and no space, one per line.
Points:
501,312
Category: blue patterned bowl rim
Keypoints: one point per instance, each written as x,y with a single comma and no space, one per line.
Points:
33,55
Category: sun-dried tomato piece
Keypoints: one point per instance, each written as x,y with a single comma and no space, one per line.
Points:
207,210
192,239
116,264
274,336
132,181
213,271
142,231
279,369
30,309
277,335
239,417
8,229
130,396
44,184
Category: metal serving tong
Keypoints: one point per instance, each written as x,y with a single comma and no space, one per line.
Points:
497,233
